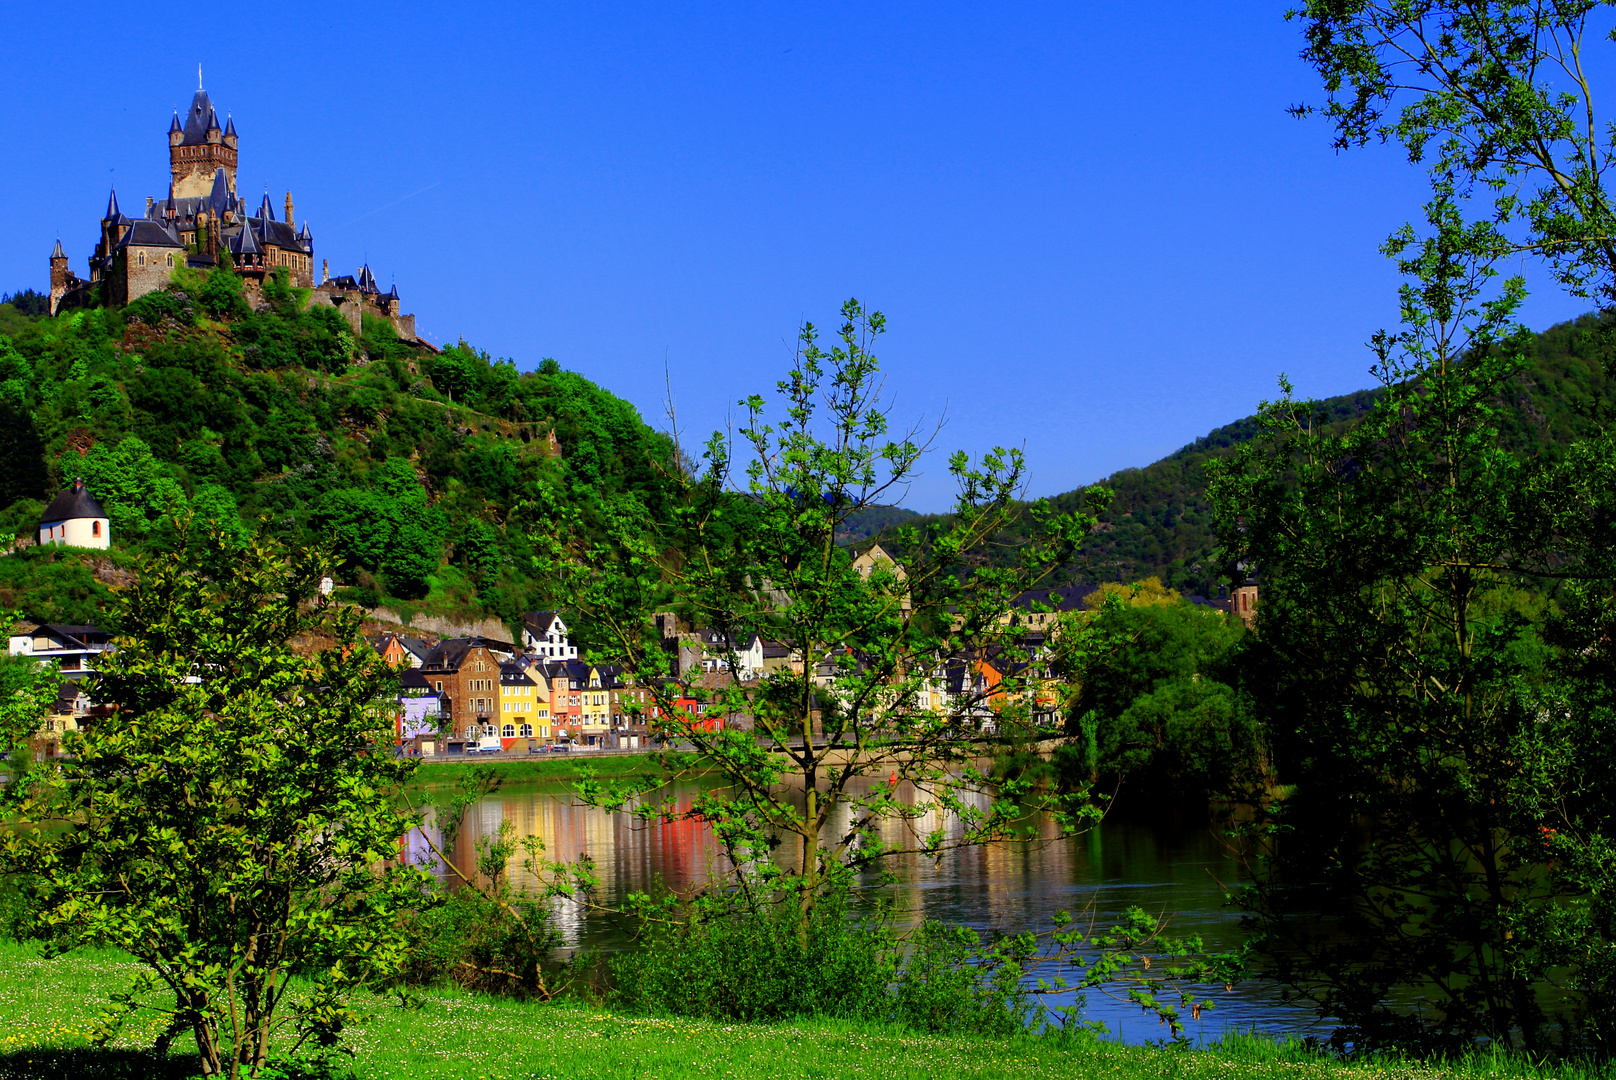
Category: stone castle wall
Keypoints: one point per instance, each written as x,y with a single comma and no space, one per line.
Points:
352,303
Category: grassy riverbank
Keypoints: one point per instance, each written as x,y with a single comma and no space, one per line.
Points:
440,772
46,1008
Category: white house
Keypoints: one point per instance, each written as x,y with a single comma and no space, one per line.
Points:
75,519
74,648
545,636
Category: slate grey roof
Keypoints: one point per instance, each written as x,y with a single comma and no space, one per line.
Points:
148,233
413,680
57,252
199,120
75,502
220,199
1060,598
112,206
244,243
266,209
278,233
367,280
230,125
175,126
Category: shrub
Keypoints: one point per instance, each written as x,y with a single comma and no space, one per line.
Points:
754,965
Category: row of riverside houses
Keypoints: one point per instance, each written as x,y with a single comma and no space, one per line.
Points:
472,694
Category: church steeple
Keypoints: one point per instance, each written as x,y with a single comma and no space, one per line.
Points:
112,213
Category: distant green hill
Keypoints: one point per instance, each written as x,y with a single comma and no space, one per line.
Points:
1161,520
414,464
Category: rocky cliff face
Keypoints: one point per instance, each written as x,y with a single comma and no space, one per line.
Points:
440,626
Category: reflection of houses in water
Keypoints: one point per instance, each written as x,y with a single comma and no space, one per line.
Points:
628,854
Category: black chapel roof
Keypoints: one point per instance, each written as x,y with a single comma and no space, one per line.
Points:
75,502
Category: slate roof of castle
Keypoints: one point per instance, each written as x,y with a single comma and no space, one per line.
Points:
275,232
199,120
148,233
244,243
57,252
75,502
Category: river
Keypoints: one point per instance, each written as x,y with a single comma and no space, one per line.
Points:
1182,872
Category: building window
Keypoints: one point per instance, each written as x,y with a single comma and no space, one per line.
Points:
141,258
508,731
95,529
527,731
171,260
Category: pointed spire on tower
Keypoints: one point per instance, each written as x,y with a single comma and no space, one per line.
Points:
267,209
230,127
57,252
175,126
246,243
112,213
304,235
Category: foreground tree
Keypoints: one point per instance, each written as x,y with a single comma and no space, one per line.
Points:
1496,99
27,689
1439,715
230,824
898,679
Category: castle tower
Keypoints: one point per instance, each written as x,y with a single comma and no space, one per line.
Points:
200,149
59,277
289,220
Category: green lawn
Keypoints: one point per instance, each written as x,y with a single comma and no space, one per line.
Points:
46,1008
543,767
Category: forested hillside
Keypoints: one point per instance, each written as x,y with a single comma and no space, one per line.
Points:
1160,523
414,465
417,466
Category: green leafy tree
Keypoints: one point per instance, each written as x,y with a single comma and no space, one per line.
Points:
27,690
1496,100
1155,690
389,527
1446,774
130,484
805,750
231,824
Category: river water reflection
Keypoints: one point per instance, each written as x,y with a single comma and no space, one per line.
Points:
1183,872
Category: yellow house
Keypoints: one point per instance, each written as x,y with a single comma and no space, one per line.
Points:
866,559
524,703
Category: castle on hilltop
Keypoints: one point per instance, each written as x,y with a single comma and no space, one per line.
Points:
201,224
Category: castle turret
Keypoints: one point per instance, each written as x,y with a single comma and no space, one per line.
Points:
289,220
176,134
230,132
201,151
59,276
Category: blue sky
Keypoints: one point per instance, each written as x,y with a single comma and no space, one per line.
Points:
1093,229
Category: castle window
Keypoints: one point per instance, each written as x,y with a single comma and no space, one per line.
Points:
171,260
142,258
95,529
